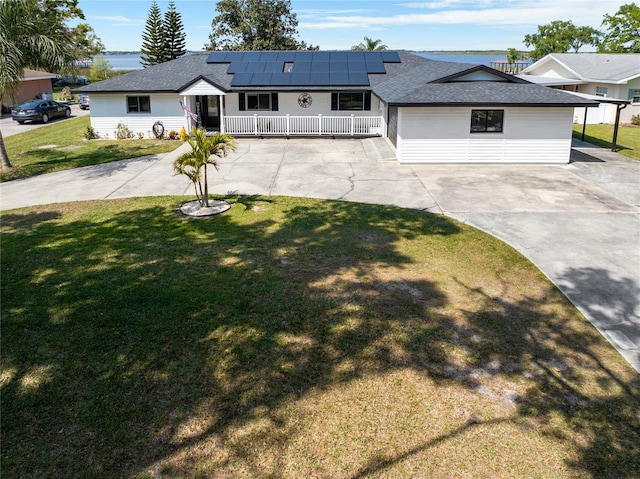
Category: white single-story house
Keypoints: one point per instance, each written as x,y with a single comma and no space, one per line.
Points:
431,111
611,76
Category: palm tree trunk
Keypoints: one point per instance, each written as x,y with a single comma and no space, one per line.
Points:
205,193
3,154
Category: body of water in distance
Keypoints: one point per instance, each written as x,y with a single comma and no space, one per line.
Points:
131,61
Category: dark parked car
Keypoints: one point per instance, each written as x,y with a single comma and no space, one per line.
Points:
40,110
83,101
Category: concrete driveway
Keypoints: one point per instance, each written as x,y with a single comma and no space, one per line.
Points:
579,223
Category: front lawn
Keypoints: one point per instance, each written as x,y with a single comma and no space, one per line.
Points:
628,142
61,146
295,338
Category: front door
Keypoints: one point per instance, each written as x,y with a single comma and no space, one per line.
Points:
207,107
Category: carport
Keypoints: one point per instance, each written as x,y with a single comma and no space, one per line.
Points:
620,105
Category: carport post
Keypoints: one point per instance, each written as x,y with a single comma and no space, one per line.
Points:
584,123
614,146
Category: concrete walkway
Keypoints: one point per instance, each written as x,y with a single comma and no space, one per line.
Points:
579,223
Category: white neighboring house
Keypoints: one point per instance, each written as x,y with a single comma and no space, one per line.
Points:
431,111
609,75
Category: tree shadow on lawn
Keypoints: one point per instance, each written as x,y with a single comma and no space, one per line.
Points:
135,338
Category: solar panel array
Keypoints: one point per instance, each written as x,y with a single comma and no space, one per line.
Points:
310,68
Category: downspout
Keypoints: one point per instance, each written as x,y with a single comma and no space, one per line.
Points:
614,146
584,124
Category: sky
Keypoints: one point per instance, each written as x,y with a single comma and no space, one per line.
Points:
338,25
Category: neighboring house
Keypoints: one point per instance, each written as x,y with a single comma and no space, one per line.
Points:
33,84
607,75
431,111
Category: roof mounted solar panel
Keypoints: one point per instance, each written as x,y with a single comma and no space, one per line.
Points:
320,79
241,79
390,57
216,57
339,67
375,67
338,56
321,56
372,56
255,67
318,66
251,57
237,67
302,57
280,79
301,67
261,79
338,78
286,56
300,79
274,67
357,67
358,78
355,56
271,56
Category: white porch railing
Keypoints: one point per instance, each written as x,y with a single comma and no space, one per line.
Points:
305,125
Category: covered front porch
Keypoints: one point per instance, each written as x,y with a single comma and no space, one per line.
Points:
292,125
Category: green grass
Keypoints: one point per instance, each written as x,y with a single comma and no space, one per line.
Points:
628,142
61,146
295,338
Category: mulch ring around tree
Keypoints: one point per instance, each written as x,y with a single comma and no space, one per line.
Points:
195,210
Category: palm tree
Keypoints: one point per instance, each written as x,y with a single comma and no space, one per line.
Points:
27,39
205,150
369,45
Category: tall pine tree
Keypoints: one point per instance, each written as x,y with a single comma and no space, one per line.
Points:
174,36
153,38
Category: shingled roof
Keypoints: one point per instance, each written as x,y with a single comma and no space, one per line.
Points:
414,81
594,67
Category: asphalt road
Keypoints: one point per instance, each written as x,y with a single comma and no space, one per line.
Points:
8,127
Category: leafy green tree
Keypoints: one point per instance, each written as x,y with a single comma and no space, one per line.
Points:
254,25
560,36
623,30
205,150
87,43
28,39
153,38
370,45
100,68
513,55
174,36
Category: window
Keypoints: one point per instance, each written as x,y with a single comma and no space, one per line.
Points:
258,101
601,91
351,101
634,95
288,67
486,121
138,104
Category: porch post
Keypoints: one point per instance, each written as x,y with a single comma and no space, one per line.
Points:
221,114
184,113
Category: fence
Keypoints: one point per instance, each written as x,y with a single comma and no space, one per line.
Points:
305,125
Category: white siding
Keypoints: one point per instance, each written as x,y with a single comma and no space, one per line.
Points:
288,105
107,110
442,135
201,87
606,112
